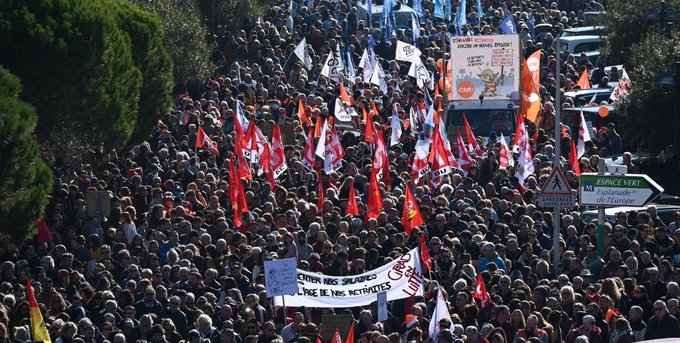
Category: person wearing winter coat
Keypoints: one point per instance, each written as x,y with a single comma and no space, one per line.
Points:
622,332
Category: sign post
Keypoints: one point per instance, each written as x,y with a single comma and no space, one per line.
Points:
603,190
280,277
556,193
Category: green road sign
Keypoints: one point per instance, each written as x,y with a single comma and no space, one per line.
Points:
617,190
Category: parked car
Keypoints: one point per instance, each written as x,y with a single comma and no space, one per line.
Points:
665,212
575,45
584,31
583,96
590,18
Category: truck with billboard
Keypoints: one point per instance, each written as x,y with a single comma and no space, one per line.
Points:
485,84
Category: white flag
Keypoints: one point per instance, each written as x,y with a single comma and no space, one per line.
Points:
419,72
407,52
301,52
396,126
441,311
351,73
525,163
321,145
332,67
622,88
340,112
367,63
378,78
583,137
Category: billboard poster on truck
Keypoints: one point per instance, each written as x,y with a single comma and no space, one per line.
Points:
488,65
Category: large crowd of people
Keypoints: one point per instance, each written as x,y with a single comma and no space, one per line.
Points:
172,261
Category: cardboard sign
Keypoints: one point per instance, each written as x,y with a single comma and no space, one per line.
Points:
280,277
329,322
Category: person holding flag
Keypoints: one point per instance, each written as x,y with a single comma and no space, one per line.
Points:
40,333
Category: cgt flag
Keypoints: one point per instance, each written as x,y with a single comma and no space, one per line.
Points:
411,216
40,333
480,291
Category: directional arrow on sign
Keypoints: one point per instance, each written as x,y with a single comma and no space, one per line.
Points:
617,190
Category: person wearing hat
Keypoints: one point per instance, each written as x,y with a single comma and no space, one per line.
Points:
588,329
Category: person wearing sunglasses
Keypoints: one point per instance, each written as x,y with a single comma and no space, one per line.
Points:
662,324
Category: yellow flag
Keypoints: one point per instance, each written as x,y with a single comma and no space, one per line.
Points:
40,333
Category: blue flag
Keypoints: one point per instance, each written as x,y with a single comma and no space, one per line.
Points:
369,7
531,23
418,7
508,26
480,10
442,9
461,17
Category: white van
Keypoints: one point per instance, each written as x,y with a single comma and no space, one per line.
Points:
584,31
403,16
575,45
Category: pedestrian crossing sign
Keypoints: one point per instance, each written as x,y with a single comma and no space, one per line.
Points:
556,184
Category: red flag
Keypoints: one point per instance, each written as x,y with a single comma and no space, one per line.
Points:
471,137
203,141
370,134
424,253
345,97
321,194
506,159
381,162
243,165
336,337
236,194
573,160
250,142
520,134
304,119
583,81
278,155
410,215
350,335
480,291
318,127
464,158
438,158
309,160
44,235
374,203
352,207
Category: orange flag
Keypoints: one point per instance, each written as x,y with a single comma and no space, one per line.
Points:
236,194
352,207
583,81
531,100
345,97
304,119
374,203
410,216
40,333
370,134
350,335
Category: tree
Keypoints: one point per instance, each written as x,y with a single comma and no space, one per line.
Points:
25,179
232,14
76,67
184,37
636,42
626,22
154,62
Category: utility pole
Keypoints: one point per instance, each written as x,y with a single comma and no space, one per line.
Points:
558,153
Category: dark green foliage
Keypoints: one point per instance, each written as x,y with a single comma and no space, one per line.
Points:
76,67
635,41
25,180
649,108
232,14
184,37
145,32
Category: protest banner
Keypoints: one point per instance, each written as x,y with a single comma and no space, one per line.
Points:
280,277
488,65
400,279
